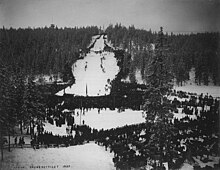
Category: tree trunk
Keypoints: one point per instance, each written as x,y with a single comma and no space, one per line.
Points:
2,151
1,143
161,158
21,127
9,142
218,129
30,130
32,127
27,132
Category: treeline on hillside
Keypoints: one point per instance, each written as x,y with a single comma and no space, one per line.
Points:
43,50
130,37
50,50
200,51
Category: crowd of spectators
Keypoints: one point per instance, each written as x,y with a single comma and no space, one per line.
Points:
192,138
80,135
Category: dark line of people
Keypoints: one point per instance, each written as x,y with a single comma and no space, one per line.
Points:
82,134
19,142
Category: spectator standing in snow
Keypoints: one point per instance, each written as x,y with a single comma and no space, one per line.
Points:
20,142
15,140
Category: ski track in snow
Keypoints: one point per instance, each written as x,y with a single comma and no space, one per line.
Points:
92,72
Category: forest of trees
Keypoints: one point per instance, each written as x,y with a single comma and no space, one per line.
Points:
21,103
43,50
200,51
49,50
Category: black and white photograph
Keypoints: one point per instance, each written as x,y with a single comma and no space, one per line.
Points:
109,84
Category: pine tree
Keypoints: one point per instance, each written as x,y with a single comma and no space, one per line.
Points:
3,85
157,106
7,111
19,96
33,107
10,108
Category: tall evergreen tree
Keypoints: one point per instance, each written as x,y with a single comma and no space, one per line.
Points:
3,86
157,106
7,111
33,107
19,98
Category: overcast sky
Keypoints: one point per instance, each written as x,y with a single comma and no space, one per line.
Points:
173,15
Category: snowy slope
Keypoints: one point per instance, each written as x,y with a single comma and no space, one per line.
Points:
100,44
92,72
81,157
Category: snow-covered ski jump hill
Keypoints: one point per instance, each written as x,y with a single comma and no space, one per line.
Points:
94,72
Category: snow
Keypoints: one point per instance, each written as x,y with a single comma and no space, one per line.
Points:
56,130
108,119
93,40
178,98
110,45
189,86
186,166
211,90
138,77
192,87
182,115
215,160
48,78
165,164
93,72
88,156
99,44
80,156
126,80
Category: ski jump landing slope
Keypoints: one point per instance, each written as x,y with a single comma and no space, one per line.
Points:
94,72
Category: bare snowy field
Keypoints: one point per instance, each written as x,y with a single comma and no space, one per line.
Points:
108,119
192,87
211,90
81,157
